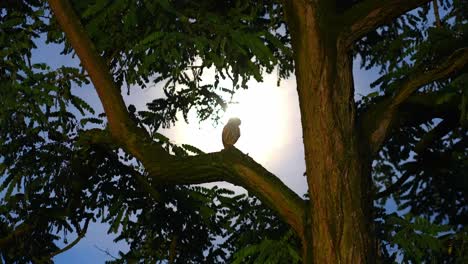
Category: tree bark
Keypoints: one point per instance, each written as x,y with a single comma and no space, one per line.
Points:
338,226
337,169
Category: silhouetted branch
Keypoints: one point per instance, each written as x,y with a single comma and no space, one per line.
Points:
381,117
394,187
438,132
436,13
367,15
81,234
105,251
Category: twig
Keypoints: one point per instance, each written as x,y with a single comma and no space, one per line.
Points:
394,187
81,234
105,252
436,13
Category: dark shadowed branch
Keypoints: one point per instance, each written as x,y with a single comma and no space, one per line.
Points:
380,119
411,83
81,234
20,231
233,166
434,134
172,249
105,251
25,229
394,187
435,5
442,129
369,14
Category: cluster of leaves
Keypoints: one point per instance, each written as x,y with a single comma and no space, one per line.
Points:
183,225
420,240
412,43
36,146
182,41
201,225
433,172
423,164
259,236
187,224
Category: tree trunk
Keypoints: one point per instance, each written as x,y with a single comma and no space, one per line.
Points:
339,226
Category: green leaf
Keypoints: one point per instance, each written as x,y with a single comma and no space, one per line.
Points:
192,149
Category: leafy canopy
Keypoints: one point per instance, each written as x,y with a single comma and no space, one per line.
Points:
53,183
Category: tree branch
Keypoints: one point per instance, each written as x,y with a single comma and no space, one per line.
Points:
228,165
378,120
20,231
438,132
121,127
233,166
394,187
423,107
452,64
24,229
367,15
172,249
81,234
435,5
442,129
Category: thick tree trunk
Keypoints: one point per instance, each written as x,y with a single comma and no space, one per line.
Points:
337,173
338,229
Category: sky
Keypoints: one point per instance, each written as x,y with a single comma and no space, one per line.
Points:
270,133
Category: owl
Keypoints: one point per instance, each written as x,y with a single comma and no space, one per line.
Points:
231,132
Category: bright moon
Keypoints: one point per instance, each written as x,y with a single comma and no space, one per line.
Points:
270,131
265,112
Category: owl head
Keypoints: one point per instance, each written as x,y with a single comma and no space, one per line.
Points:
234,121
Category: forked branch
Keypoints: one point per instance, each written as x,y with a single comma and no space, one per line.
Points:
380,118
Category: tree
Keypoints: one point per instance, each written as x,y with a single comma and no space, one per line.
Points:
407,141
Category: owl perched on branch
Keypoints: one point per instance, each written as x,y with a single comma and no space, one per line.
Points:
231,132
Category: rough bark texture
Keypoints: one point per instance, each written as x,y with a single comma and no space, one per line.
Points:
338,230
